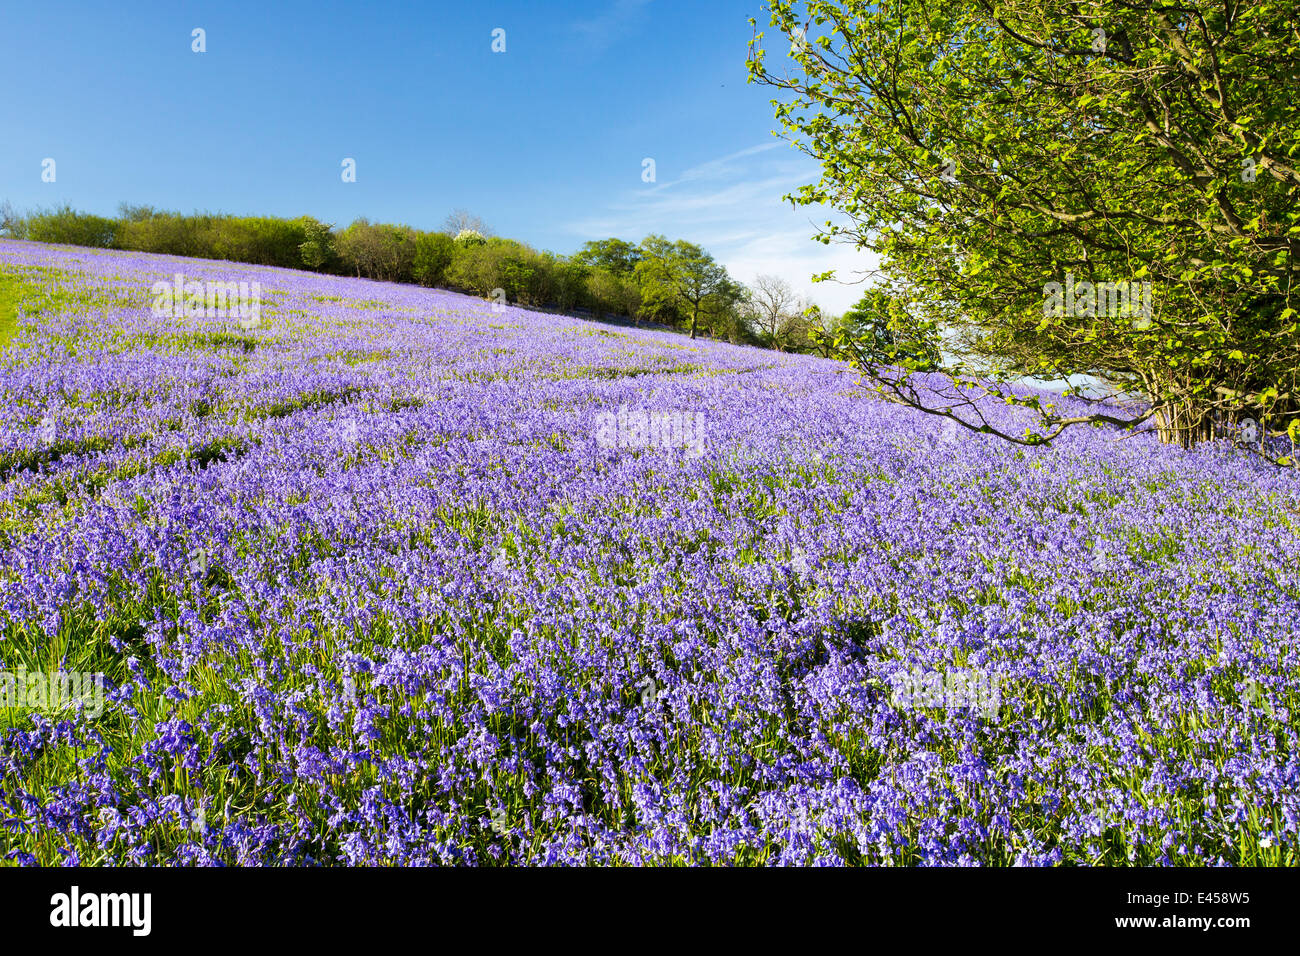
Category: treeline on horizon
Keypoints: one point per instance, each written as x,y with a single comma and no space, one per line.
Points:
673,283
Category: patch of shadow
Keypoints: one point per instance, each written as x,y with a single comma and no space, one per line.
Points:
31,459
317,399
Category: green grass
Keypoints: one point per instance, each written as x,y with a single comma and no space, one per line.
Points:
37,290
10,295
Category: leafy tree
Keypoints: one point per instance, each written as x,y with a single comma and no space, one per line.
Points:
729,314
884,333
67,226
523,278
683,276
317,248
129,212
433,254
168,233
357,247
564,280
799,328
263,240
377,250
723,314
613,293
1011,161
615,255
800,332
482,267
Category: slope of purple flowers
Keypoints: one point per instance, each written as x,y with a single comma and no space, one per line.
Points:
369,589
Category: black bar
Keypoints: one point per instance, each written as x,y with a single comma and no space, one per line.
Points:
256,907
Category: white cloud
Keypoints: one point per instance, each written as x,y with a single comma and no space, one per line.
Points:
716,168
793,257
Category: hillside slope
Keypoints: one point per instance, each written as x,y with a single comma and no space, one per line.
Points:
392,577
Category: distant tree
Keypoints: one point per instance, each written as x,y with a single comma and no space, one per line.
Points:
616,255
562,280
524,276
821,332
12,224
263,240
884,333
772,304
728,314
461,220
485,265
433,253
67,226
129,212
811,321
377,250
683,275
317,248
613,293
354,247
398,252
798,327
168,233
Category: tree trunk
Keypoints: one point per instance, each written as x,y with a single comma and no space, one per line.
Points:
1184,424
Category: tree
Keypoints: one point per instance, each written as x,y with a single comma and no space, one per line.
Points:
144,229
12,223
433,254
611,293
682,275
566,280
884,332
377,250
773,301
356,247
799,327
803,328
486,265
1026,169
461,220
131,212
67,226
616,255
318,247
729,314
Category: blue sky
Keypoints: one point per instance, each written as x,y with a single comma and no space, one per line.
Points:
545,141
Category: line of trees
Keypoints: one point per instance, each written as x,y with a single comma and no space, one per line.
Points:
675,283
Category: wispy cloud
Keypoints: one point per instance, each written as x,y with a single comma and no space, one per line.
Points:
716,168
732,206
615,22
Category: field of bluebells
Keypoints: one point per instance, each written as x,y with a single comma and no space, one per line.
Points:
369,583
